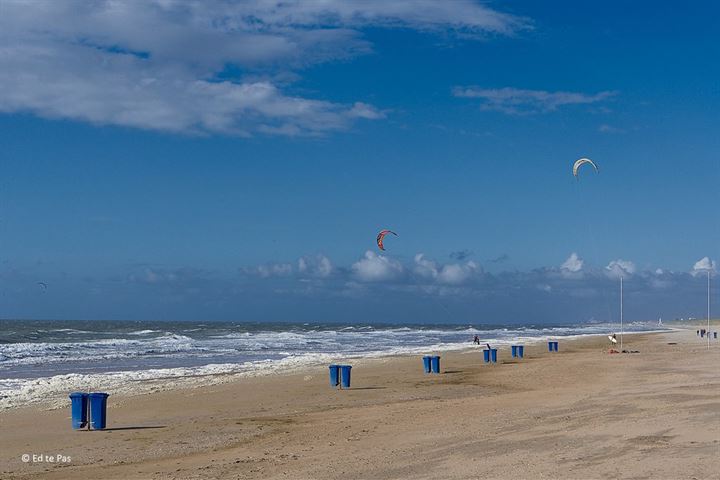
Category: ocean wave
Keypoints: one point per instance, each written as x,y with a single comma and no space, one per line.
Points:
143,332
145,343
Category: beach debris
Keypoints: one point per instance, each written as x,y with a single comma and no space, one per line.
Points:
381,237
580,162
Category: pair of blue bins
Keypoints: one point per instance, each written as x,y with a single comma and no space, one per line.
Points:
431,363
340,375
88,409
553,346
517,351
490,355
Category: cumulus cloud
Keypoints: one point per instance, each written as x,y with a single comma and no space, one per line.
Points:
454,274
517,101
703,266
451,274
572,267
425,267
573,292
173,65
375,268
317,266
620,268
573,281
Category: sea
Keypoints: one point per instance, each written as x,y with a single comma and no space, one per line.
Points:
43,361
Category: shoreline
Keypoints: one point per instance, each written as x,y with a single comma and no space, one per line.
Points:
578,413
53,390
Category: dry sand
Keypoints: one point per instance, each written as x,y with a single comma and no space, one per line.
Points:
580,413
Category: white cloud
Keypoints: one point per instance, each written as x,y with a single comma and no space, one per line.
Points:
573,264
318,266
424,267
620,268
172,65
454,274
451,274
308,266
274,270
518,101
466,16
375,268
703,266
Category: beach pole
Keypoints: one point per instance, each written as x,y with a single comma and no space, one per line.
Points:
708,316
621,314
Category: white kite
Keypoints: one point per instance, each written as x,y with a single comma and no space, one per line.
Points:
581,162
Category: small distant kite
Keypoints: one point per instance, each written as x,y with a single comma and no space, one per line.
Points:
42,285
579,163
381,237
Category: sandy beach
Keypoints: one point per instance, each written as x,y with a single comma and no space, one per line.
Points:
580,413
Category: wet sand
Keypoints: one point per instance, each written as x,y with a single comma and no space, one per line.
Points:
580,413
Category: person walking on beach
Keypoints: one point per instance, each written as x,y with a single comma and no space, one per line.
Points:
476,340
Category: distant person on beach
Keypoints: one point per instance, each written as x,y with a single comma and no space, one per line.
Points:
476,340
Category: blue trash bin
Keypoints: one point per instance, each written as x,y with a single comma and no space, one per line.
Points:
334,375
513,351
78,409
550,346
98,408
557,346
486,355
426,363
714,334
493,355
521,351
345,375
435,364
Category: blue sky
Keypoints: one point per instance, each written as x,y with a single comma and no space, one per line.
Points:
235,161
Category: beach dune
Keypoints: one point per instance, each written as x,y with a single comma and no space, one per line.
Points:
580,413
